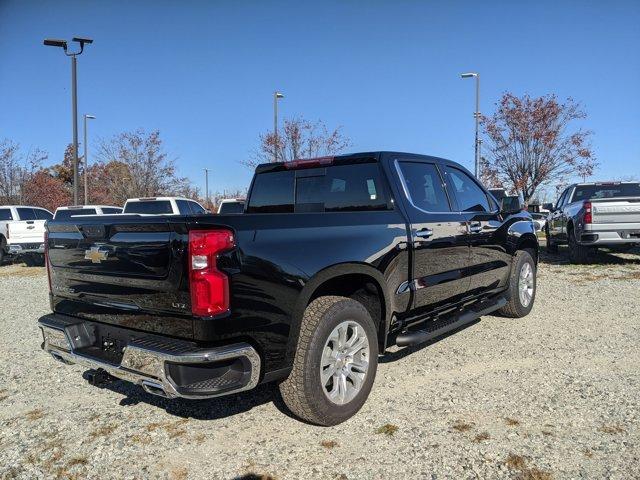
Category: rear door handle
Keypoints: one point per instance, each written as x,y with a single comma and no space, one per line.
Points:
424,233
475,227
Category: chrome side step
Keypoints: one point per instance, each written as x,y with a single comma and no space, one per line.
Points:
444,325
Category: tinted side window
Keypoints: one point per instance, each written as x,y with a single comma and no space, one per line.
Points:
471,198
5,214
232,207
43,214
561,200
424,186
184,207
272,193
26,214
153,207
196,208
342,188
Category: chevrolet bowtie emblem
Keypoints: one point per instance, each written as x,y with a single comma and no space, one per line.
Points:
95,255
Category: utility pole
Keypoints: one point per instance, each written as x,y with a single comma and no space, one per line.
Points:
276,139
477,117
206,185
86,159
74,99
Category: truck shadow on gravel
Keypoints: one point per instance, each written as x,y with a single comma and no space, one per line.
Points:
211,409
601,257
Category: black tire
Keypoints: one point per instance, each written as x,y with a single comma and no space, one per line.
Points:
552,247
515,308
3,245
28,260
577,253
303,391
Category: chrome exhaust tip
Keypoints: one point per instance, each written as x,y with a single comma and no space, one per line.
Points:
154,389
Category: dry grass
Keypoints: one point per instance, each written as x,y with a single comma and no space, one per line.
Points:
519,463
461,426
173,429
77,461
200,438
612,429
387,429
179,473
35,414
22,271
512,422
3,395
103,431
329,444
142,439
481,437
588,453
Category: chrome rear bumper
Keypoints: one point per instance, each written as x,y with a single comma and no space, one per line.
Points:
147,360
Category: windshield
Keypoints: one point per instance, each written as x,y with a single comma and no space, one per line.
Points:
585,192
153,207
232,207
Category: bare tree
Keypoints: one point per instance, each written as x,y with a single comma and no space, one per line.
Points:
16,169
531,144
135,165
300,139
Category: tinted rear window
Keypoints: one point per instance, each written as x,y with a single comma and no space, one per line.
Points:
272,193
111,210
342,188
5,214
153,207
606,191
64,214
26,214
232,207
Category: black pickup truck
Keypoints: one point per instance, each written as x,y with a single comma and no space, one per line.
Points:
333,261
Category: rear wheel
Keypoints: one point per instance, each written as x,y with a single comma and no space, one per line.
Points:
552,247
577,253
522,286
335,363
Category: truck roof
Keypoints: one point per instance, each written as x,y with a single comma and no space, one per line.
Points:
150,199
340,160
79,207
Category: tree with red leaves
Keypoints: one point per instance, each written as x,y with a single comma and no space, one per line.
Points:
46,191
531,143
300,139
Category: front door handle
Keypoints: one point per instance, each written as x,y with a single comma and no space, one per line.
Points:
424,233
475,227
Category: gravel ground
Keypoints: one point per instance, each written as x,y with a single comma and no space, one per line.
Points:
554,395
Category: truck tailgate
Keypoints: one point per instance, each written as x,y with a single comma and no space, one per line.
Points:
27,231
616,210
121,269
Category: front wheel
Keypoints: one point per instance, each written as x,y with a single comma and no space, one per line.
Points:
522,286
335,363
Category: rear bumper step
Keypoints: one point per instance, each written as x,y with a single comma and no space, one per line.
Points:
445,325
162,366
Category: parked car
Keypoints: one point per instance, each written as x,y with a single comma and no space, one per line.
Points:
231,205
591,215
164,206
22,233
66,212
333,261
539,221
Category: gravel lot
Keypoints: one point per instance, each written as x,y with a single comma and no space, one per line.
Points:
554,395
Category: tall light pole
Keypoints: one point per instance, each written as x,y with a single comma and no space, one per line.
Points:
276,96
85,158
74,99
206,185
477,117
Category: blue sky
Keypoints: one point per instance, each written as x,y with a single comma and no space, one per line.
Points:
203,73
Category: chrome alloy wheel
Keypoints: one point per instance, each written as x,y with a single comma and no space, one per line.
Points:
345,361
526,284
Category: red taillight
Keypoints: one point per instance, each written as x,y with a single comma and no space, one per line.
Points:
588,218
209,286
46,258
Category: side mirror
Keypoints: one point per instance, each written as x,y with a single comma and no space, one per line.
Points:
548,206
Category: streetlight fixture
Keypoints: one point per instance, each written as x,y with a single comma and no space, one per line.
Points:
52,42
86,159
276,95
477,117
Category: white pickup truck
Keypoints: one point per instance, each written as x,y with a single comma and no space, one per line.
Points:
163,206
22,232
592,215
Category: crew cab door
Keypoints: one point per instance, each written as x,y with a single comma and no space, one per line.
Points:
558,221
440,253
489,263
30,227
